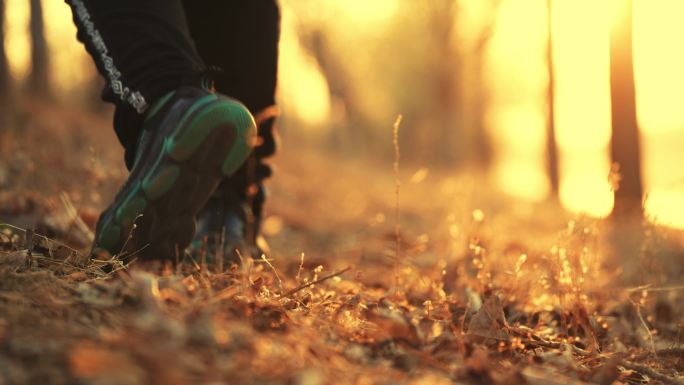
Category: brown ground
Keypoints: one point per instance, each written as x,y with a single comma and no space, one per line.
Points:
481,289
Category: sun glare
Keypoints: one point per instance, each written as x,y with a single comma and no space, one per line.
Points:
581,60
303,89
660,90
516,116
68,59
364,11
583,123
17,41
658,64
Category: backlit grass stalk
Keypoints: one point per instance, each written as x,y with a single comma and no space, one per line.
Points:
397,184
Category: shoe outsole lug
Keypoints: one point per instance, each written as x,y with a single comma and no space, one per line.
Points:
179,167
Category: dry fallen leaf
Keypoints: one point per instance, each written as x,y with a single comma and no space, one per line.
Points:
489,323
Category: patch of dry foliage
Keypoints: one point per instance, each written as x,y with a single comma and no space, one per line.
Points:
64,320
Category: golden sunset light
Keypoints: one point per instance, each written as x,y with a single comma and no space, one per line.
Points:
516,115
341,192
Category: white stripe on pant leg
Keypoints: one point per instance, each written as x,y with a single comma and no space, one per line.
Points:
134,98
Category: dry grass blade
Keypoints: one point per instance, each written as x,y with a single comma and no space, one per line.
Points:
275,272
322,279
648,288
672,352
651,373
397,184
75,218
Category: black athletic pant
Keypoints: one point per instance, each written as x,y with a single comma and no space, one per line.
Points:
146,48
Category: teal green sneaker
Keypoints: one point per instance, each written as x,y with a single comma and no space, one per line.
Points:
191,140
229,224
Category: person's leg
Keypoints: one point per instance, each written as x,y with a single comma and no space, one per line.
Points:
240,37
181,139
143,50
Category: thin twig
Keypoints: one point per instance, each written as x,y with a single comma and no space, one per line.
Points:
220,253
662,353
637,306
130,233
528,337
301,266
280,281
554,345
75,218
304,286
192,260
58,243
643,369
134,254
249,264
648,288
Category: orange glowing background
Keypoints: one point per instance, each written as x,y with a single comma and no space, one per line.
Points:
517,77
581,48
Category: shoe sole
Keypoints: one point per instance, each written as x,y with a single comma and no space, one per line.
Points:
154,217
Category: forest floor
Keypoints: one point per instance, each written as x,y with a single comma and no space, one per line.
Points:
466,287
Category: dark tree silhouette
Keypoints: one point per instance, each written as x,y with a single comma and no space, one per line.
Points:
625,147
4,68
551,149
481,150
341,88
39,76
445,143
454,71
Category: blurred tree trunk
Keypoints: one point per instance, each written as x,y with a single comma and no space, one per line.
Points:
444,141
476,132
341,88
5,80
460,91
39,76
625,148
551,148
